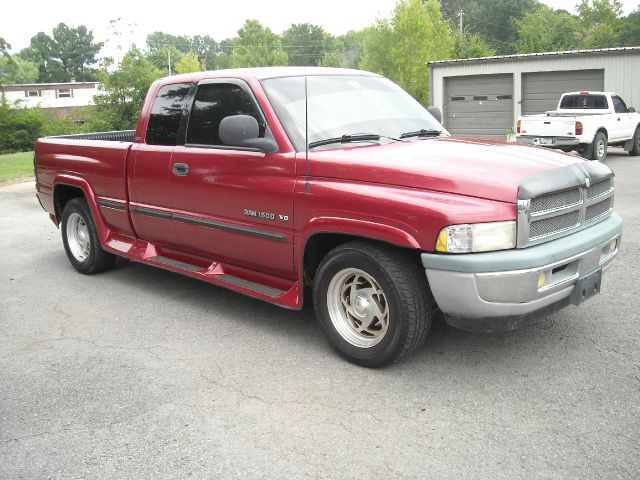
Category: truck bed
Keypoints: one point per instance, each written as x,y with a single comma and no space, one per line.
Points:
114,136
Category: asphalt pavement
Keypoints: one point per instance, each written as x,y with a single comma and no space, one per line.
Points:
140,373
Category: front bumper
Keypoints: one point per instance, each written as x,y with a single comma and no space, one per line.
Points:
500,290
558,142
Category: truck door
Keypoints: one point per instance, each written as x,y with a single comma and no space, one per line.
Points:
624,119
149,168
232,204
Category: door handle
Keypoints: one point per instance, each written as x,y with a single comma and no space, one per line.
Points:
180,169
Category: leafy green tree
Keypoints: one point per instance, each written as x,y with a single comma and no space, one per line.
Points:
188,63
68,54
206,49
159,40
399,48
471,46
161,57
548,30
4,47
225,50
602,23
125,89
15,70
492,20
42,52
631,29
306,44
257,46
76,50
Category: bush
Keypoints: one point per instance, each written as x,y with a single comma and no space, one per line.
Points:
19,127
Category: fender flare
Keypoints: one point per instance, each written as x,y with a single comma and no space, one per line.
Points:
73,181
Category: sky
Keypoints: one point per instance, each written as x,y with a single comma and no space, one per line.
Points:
220,19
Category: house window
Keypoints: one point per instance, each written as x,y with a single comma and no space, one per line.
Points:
32,93
65,93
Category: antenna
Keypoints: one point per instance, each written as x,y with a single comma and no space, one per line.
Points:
306,133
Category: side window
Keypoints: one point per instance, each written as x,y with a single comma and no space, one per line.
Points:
618,105
214,102
165,114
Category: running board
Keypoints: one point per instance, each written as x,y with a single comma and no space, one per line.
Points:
274,290
176,263
258,287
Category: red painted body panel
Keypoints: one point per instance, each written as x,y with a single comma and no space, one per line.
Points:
400,193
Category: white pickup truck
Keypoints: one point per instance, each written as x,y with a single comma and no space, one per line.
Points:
586,122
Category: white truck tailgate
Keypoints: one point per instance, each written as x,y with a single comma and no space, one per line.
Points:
548,126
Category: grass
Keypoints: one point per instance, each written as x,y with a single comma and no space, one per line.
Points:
16,165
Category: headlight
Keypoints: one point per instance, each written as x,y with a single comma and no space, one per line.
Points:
477,237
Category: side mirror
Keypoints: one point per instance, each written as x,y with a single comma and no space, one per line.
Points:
631,110
243,131
435,113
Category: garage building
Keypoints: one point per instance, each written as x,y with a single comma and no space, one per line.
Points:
484,96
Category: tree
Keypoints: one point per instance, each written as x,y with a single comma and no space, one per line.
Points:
4,47
15,70
189,63
257,46
158,40
225,49
399,48
548,30
471,46
165,58
601,22
68,54
76,50
306,44
492,20
125,89
206,49
631,29
42,52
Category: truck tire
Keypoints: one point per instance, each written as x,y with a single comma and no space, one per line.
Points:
635,149
372,302
596,150
81,241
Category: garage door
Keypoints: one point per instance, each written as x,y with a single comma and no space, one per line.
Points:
541,91
479,105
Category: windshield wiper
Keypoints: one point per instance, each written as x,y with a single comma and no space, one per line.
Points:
422,133
358,137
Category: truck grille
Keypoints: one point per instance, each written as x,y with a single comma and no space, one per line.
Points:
557,213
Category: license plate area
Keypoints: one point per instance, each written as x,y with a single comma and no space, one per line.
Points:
586,287
543,141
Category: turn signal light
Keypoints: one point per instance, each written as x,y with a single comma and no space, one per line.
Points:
578,128
519,124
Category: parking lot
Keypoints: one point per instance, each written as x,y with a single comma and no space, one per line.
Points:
142,373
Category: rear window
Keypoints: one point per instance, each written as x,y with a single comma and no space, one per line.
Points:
166,112
587,102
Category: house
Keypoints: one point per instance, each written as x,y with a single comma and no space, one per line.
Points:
484,96
59,99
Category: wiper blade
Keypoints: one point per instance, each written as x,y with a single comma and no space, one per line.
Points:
358,137
422,133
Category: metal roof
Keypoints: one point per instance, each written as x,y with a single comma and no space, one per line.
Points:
535,56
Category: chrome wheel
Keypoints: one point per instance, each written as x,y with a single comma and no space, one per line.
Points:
601,149
78,237
358,307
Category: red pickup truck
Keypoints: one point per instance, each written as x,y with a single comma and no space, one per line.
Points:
274,182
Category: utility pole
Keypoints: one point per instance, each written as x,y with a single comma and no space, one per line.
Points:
169,58
461,17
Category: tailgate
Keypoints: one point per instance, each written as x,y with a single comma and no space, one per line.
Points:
548,126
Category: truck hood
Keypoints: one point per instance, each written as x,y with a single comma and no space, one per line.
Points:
465,166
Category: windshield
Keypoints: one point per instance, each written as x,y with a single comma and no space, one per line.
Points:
345,105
